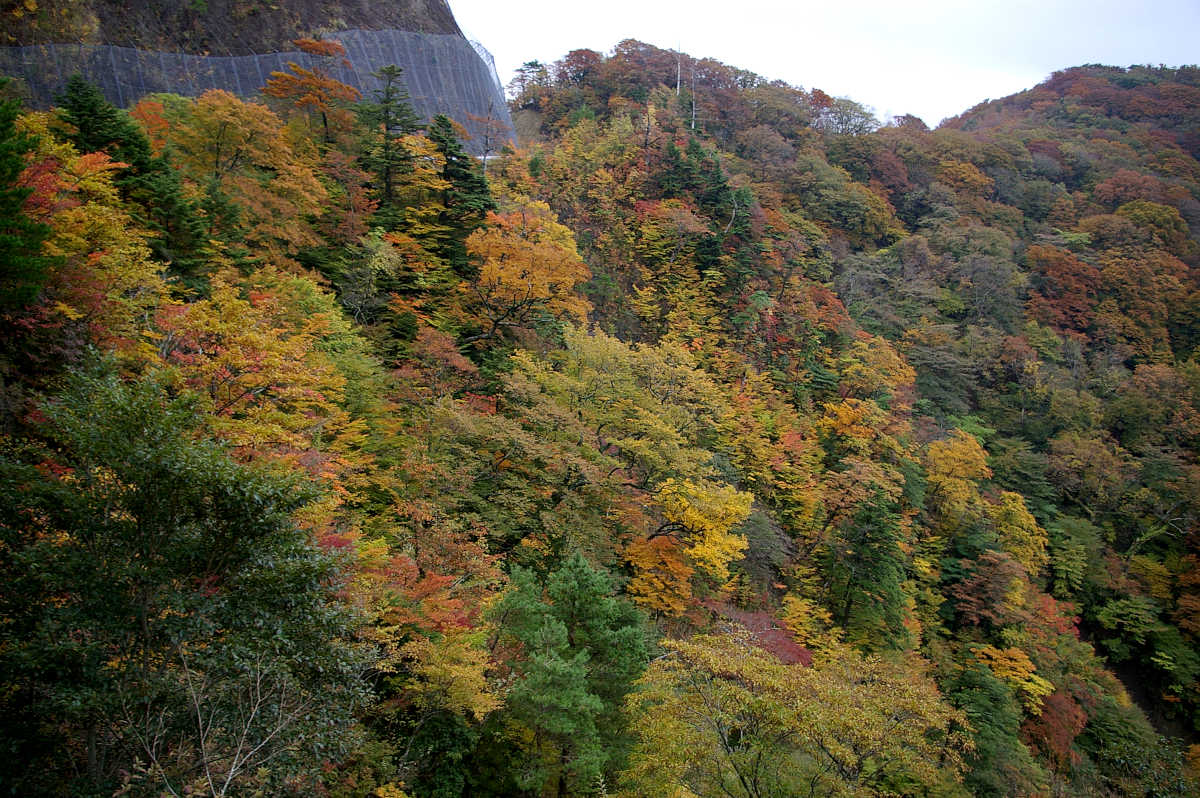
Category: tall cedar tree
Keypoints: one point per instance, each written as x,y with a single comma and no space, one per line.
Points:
388,119
467,199
581,649
866,572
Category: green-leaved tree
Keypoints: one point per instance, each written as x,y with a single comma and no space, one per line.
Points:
577,651
165,623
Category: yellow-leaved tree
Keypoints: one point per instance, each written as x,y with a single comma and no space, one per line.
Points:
103,282
259,184
696,534
718,715
254,350
1019,532
954,465
1013,667
704,514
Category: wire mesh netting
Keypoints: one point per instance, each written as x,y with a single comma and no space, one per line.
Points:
444,74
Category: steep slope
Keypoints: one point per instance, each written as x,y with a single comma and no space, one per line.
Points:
188,48
215,27
1034,261
721,442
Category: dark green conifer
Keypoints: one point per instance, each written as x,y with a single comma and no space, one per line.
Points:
148,181
866,567
583,648
158,579
467,200
388,119
22,265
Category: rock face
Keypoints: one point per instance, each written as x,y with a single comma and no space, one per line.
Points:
190,46
215,27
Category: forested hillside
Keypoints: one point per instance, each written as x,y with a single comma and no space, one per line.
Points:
718,441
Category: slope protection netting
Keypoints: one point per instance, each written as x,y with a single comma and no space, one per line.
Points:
444,74
486,55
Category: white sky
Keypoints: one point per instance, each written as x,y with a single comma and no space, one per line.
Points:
932,58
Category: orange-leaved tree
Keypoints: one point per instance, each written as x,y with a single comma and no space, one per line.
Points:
315,90
260,185
528,269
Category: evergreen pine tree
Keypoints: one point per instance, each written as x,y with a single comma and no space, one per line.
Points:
867,574
583,648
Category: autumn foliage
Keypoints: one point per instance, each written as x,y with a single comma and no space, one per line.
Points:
718,441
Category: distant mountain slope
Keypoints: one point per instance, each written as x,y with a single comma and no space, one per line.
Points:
1103,98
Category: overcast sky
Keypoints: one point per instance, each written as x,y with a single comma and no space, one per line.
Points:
932,58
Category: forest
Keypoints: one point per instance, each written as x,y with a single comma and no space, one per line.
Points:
716,441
